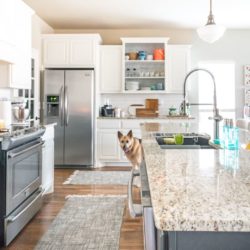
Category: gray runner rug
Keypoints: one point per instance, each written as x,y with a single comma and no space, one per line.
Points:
86,222
99,178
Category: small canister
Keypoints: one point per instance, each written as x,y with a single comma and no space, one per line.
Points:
123,114
117,112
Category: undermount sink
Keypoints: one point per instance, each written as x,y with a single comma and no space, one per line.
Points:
191,141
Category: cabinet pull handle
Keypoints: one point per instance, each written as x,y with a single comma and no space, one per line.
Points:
135,210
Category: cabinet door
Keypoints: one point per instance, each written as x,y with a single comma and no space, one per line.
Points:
48,160
108,145
21,69
7,31
17,75
178,57
111,69
81,52
48,166
55,52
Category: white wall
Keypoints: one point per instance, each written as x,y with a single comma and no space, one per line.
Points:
112,36
233,46
39,27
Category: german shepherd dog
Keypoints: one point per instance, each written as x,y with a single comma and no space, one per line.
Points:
133,150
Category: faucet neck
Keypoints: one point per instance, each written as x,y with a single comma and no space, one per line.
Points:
217,118
185,86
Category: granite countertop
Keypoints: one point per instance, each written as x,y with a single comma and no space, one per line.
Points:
160,117
197,189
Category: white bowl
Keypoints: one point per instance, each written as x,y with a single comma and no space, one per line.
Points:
21,114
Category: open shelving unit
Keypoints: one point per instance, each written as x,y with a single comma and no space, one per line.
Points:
149,73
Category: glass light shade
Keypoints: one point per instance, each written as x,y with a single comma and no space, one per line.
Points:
211,32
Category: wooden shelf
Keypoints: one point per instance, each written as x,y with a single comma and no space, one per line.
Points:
145,61
144,77
144,92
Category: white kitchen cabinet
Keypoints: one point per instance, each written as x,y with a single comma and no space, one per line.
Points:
48,160
108,145
72,50
148,75
15,71
111,69
7,25
178,63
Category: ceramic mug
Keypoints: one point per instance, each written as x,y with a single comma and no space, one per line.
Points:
178,138
149,57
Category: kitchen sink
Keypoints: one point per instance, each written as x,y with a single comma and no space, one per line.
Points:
191,141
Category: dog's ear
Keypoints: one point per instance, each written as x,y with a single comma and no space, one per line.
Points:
119,134
130,134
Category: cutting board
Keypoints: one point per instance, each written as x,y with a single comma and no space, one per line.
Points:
152,104
146,113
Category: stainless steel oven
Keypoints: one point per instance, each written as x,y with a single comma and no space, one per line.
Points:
20,180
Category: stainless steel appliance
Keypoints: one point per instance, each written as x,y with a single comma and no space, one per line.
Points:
107,111
20,180
68,100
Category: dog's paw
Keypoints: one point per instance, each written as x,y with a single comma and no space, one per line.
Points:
137,182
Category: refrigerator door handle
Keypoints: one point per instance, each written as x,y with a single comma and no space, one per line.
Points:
61,106
66,107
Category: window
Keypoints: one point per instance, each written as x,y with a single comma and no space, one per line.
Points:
224,73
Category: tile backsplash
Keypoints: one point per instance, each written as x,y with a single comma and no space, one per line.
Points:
124,100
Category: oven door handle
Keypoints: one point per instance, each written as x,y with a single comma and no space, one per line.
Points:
13,155
135,210
15,217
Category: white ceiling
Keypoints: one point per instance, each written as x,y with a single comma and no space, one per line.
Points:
140,14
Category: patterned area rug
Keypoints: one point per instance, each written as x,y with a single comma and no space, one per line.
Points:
84,223
99,178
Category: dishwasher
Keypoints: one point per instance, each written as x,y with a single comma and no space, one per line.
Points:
144,209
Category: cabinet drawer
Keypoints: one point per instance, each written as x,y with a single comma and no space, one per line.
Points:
132,124
108,144
110,123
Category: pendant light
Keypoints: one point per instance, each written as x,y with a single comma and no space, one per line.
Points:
211,31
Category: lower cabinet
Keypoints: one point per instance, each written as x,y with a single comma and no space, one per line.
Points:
109,151
48,160
108,144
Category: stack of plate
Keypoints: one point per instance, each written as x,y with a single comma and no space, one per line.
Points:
132,85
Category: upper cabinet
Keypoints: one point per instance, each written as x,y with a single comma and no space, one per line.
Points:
178,65
15,44
7,25
144,65
111,69
75,51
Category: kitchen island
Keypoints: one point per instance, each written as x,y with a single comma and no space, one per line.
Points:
200,197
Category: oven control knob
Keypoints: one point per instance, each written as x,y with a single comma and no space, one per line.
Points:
27,192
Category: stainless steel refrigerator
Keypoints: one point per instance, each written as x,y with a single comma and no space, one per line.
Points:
68,100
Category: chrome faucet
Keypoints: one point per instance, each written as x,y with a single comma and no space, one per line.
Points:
216,116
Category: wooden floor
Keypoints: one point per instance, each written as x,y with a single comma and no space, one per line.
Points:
131,233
